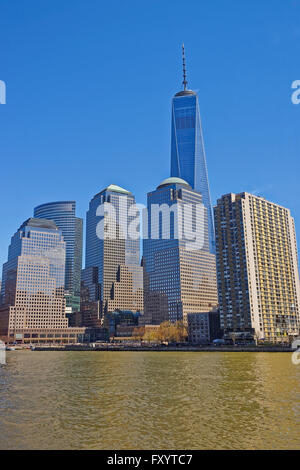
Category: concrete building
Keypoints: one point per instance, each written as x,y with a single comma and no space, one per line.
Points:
121,322
179,270
33,297
257,266
203,328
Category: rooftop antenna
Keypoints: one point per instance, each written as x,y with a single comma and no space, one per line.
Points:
184,83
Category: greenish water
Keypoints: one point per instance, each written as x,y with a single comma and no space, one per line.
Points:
149,400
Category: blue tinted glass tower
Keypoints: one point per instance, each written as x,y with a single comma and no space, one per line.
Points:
188,159
64,215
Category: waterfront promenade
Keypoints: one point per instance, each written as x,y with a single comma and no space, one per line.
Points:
138,348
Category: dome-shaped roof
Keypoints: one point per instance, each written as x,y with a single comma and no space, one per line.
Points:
172,180
117,189
114,189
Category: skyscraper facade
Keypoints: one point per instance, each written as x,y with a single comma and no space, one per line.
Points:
64,215
188,159
257,268
33,298
114,256
90,297
179,275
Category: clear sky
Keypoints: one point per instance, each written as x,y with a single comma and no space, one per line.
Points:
89,89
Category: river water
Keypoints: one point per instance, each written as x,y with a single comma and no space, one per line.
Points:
149,400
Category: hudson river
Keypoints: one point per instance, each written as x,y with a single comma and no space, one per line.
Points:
149,400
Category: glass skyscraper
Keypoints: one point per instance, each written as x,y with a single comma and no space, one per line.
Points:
179,278
64,215
188,159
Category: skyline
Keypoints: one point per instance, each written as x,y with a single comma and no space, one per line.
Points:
261,131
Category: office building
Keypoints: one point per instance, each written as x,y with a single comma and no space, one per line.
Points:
203,328
188,158
33,297
121,322
64,215
112,255
179,271
90,304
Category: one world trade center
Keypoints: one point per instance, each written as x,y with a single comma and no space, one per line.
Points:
188,160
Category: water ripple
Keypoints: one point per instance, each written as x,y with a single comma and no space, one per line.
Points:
144,400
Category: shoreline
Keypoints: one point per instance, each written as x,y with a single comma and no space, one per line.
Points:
165,349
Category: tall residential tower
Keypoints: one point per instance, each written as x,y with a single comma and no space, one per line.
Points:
257,268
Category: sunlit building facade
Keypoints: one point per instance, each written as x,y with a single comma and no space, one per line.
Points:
257,268
64,215
33,297
115,256
179,274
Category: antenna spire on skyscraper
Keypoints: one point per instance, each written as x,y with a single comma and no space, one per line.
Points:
184,83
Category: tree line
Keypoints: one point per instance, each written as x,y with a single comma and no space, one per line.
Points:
167,332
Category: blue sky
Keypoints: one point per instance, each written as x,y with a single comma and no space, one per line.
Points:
89,88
